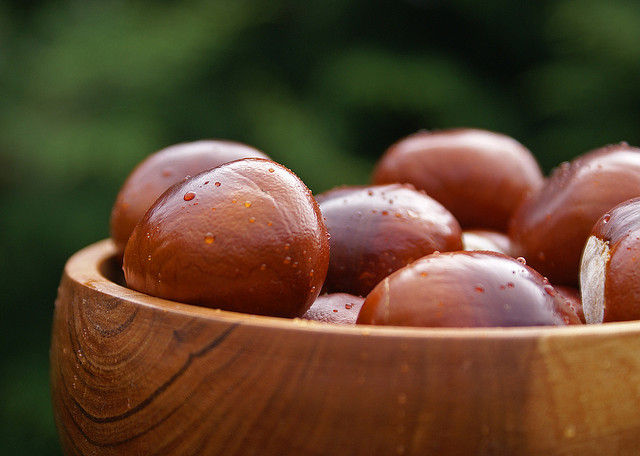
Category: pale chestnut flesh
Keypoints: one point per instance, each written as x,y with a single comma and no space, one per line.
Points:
336,308
609,271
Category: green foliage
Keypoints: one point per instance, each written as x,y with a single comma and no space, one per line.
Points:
89,88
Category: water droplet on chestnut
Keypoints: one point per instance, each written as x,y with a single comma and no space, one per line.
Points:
233,275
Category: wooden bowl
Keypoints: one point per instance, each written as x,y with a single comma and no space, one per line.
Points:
136,375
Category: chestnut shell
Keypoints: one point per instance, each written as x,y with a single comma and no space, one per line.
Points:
246,236
377,229
551,226
162,169
479,175
466,289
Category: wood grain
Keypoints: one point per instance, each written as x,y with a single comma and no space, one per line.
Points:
136,375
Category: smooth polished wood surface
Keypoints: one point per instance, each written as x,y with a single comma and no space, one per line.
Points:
136,375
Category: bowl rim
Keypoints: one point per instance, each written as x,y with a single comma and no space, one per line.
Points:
85,268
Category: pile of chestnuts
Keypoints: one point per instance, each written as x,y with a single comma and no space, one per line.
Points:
456,228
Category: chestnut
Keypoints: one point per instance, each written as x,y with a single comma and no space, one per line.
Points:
376,229
485,239
574,299
609,272
336,308
551,226
246,236
162,169
466,289
479,175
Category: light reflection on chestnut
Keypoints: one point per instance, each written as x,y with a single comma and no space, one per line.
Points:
160,170
485,239
379,228
246,236
479,175
466,289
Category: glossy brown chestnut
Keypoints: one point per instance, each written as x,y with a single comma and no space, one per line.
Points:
337,308
466,289
162,169
551,226
610,266
480,176
378,229
246,236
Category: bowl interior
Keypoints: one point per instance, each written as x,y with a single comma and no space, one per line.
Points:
108,272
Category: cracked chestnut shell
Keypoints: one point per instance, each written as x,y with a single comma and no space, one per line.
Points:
609,271
466,289
246,236
551,226
377,229
162,169
479,175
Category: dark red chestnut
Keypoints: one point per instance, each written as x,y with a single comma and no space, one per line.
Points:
466,289
337,308
162,169
610,266
551,226
378,229
480,176
246,236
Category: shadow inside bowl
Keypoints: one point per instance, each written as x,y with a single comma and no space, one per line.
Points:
111,269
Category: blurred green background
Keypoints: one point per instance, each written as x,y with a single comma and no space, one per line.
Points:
88,88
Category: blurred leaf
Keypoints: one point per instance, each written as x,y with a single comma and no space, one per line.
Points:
434,86
86,95
26,413
600,31
568,88
293,133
